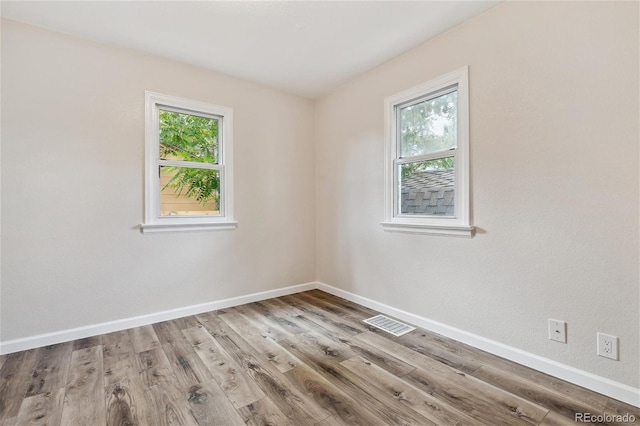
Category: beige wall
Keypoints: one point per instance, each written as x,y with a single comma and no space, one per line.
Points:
73,123
554,173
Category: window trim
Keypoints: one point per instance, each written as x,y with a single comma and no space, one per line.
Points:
459,224
153,221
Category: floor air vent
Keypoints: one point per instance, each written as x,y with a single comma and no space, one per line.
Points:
389,325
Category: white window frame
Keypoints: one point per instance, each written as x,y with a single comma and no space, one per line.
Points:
153,221
459,224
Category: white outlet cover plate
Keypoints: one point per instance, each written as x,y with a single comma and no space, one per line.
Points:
608,346
558,331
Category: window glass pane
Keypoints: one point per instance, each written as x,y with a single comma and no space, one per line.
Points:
189,192
188,137
429,126
427,187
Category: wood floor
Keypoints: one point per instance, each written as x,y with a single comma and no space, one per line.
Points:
304,359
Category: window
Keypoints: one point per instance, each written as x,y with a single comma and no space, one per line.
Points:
189,159
427,158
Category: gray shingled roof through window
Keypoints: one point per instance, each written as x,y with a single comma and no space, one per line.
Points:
428,192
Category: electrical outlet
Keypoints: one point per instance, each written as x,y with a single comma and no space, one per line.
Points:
558,331
608,346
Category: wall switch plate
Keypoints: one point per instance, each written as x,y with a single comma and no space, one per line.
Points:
558,331
608,346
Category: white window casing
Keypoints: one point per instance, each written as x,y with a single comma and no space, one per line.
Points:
459,223
154,222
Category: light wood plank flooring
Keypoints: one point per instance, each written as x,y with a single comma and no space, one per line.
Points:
304,359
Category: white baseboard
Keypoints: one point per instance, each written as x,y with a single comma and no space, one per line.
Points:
599,384
123,324
582,378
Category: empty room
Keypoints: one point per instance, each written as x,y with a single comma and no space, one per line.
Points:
319,213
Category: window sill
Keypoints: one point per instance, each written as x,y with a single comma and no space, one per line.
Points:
190,227
412,228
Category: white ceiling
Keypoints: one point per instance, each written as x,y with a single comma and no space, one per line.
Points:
303,47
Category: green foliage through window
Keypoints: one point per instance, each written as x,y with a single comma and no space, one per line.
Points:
186,137
429,126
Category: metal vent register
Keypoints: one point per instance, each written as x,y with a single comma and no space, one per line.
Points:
389,325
